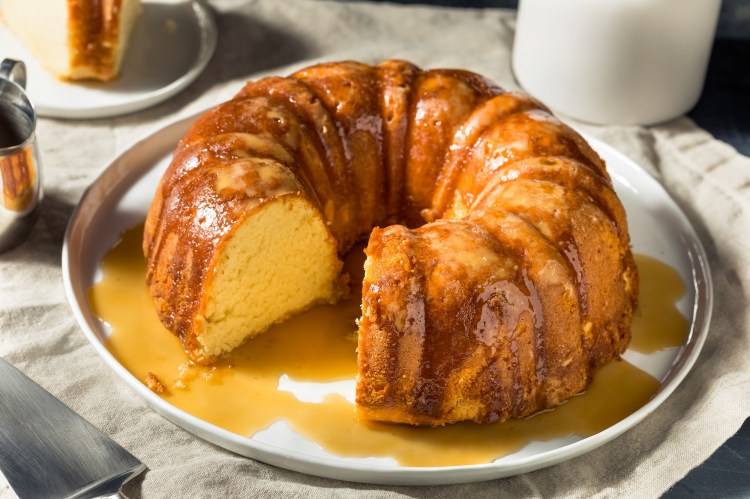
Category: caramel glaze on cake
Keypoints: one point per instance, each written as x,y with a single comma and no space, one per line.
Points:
510,281
94,33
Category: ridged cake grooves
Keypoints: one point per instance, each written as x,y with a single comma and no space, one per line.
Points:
119,197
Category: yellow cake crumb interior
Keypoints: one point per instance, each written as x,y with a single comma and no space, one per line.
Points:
265,275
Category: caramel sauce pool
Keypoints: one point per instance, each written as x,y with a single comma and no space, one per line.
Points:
242,395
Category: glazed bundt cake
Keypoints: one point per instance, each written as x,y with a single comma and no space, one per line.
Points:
508,282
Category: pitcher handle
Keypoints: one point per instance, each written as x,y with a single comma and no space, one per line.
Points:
13,70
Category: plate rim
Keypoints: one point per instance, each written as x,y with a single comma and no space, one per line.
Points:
374,473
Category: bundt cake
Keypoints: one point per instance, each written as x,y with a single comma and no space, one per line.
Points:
74,39
508,283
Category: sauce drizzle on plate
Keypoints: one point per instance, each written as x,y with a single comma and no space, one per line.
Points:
302,372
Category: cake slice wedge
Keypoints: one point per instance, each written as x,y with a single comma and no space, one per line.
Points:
74,39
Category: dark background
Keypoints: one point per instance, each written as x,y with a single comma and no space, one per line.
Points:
723,110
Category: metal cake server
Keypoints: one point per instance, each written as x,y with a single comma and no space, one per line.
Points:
47,450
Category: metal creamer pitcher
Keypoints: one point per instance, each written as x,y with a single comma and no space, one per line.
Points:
20,169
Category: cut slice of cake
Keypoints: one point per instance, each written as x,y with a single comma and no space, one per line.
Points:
277,263
73,39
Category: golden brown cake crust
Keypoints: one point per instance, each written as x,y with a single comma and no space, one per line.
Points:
511,279
94,27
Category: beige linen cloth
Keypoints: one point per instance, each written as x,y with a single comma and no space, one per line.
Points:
708,179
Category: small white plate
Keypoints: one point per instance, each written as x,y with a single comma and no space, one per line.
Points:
120,197
171,44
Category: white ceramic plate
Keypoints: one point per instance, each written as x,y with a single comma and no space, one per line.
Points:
120,197
171,44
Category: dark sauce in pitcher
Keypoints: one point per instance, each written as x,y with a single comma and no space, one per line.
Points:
12,123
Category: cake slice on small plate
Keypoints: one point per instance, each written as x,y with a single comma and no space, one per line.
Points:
73,39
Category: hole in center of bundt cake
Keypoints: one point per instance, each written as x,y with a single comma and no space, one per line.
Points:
279,262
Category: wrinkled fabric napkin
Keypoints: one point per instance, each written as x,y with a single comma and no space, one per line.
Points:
709,180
